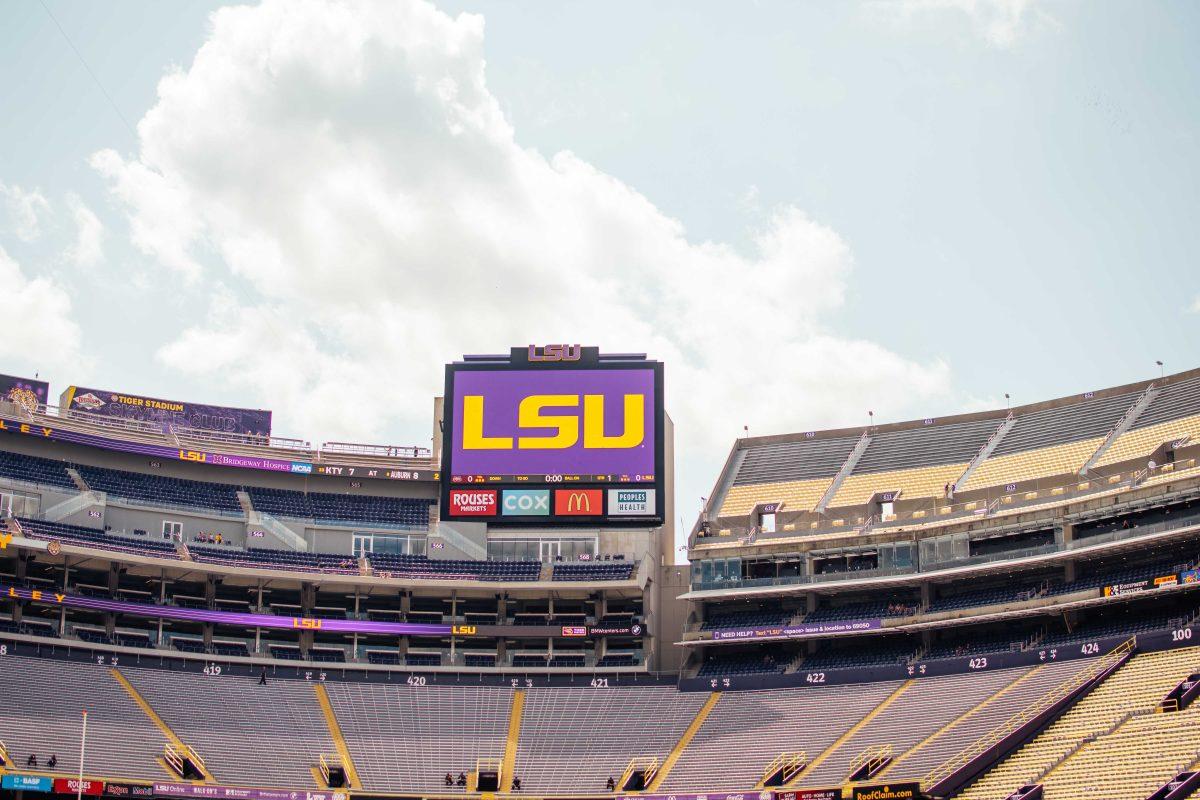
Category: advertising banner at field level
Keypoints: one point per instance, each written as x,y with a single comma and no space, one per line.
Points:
240,793
225,419
77,787
26,783
128,790
888,791
756,794
810,794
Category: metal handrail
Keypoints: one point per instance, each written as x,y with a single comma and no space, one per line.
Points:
874,753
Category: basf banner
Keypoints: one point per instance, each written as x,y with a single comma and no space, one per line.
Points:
560,416
225,419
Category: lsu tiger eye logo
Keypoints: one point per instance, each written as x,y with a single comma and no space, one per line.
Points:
576,414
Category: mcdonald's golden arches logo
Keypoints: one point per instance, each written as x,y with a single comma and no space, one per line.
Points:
579,502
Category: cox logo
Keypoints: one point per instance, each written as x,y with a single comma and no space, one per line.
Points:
526,502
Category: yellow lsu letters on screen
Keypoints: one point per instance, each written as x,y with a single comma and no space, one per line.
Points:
565,427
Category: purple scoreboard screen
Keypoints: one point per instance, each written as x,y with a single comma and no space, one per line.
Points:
583,427
553,422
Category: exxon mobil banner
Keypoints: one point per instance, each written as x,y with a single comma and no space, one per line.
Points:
554,422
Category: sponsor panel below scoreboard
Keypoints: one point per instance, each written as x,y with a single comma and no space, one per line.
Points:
473,502
631,503
579,502
533,506
526,503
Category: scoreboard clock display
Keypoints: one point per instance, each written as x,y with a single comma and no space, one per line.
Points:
553,435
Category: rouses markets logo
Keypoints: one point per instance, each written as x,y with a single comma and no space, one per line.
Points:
473,502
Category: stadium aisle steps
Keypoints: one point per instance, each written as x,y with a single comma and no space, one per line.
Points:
514,736
684,741
335,733
748,729
929,706
912,764
854,729
1135,689
557,751
405,738
175,741
289,733
122,741
1132,761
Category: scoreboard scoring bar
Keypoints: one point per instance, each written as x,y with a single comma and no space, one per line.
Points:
552,478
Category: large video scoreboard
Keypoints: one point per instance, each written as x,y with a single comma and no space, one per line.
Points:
554,435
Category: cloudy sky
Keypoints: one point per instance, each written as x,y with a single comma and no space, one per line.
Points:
807,210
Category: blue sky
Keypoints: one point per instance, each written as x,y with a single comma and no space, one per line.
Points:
807,209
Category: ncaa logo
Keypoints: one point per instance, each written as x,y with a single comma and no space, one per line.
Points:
526,503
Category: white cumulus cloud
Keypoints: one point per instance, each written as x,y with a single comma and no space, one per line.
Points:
25,210
345,170
39,331
1000,23
88,247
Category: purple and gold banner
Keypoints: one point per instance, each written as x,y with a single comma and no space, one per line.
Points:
250,421
804,629
246,620
554,422
155,450
754,794
208,457
25,392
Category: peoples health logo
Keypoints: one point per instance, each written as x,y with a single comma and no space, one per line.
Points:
526,503
631,502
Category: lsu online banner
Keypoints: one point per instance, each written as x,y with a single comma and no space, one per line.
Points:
225,419
554,422
25,392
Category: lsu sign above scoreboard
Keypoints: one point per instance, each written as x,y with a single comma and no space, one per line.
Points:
553,434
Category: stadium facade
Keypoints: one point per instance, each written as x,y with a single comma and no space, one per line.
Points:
1001,604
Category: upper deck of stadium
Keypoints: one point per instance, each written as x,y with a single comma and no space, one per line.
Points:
938,470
